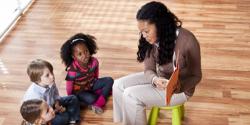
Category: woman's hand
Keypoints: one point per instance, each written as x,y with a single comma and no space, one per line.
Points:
161,83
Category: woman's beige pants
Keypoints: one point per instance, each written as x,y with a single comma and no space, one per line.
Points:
132,94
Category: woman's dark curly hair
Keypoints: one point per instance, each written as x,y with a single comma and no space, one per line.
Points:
79,38
166,24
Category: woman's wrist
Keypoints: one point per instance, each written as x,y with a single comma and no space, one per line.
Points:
153,81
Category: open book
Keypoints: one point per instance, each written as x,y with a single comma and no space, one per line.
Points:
172,83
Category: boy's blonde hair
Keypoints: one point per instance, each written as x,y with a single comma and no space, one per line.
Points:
35,69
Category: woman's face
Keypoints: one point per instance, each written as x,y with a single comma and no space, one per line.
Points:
148,31
81,54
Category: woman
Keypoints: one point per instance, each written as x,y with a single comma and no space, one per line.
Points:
161,38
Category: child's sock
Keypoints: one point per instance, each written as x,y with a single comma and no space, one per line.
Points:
100,102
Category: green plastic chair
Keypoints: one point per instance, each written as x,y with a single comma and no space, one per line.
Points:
177,114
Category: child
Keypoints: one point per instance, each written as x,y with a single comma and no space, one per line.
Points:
43,87
83,71
36,112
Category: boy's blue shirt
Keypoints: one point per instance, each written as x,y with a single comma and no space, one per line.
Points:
49,94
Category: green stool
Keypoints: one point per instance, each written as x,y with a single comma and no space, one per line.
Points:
177,114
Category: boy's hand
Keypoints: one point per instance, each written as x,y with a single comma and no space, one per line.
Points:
59,108
62,109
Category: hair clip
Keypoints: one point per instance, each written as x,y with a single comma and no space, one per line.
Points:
76,40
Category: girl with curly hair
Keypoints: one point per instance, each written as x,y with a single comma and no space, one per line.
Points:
82,69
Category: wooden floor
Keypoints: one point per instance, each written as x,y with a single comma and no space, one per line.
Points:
221,26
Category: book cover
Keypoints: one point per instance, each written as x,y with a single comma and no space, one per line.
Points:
172,83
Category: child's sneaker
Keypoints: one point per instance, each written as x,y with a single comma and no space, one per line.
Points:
96,109
74,123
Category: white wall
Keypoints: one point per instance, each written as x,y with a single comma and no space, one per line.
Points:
10,10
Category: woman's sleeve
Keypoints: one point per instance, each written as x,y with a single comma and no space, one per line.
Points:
194,63
150,67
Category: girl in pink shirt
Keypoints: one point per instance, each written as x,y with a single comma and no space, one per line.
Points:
83,72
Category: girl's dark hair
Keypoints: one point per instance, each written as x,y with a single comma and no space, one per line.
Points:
31,111
79,38
166,24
